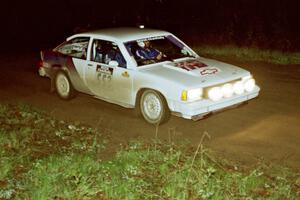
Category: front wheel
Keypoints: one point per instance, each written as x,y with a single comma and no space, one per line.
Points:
63,86
153,107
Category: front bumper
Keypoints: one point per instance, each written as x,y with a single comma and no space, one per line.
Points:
199,109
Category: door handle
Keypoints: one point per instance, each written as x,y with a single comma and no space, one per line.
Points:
90,65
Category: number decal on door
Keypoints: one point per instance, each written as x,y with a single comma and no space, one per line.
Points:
104,73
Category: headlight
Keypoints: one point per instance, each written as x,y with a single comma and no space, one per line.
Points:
191,95
215,93
238,87
227,90
249,85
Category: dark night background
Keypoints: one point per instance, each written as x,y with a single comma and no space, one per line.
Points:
32,25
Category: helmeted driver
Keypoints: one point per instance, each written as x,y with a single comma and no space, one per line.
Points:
147,52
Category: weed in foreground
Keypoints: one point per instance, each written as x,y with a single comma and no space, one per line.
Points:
153,171
28,136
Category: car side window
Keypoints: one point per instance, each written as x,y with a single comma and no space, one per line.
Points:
76,47
105,51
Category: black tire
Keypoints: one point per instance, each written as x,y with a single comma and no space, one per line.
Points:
63,85
153,107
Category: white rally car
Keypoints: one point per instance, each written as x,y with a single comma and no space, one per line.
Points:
106,65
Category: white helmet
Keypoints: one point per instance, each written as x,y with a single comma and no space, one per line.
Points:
141,44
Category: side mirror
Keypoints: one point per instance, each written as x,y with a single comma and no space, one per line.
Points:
185,51
113,63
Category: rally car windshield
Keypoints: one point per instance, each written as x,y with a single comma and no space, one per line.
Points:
157,49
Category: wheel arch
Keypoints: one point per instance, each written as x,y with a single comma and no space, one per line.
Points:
165,111
55,69
142,89
71,92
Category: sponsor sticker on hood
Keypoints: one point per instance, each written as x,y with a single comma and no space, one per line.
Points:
193,65
190,64
209,70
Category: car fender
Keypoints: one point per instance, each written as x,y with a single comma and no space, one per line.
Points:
169,90
54,69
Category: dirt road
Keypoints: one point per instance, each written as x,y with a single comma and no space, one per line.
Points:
267,128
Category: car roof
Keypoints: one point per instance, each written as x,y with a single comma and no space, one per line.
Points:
123,34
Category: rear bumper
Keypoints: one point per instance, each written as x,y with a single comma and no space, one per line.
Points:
198,110
44,71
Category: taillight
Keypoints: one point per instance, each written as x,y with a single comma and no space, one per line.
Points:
40,64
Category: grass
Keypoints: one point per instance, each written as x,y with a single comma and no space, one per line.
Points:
27,136
250,53
43,158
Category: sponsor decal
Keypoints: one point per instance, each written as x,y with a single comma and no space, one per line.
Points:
151,38
125,74
208,71
190,65
104,73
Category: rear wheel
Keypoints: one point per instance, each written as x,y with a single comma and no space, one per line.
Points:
63,86
153,107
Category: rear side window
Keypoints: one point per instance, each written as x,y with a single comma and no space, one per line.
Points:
76,47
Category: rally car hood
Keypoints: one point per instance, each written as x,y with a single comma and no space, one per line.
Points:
194,72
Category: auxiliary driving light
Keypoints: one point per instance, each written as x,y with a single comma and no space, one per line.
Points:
249,85
215,93
227,90
238,87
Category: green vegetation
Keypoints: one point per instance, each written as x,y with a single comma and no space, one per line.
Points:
42,158
250,53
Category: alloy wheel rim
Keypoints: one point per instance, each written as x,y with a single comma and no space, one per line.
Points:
63,85
152,106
